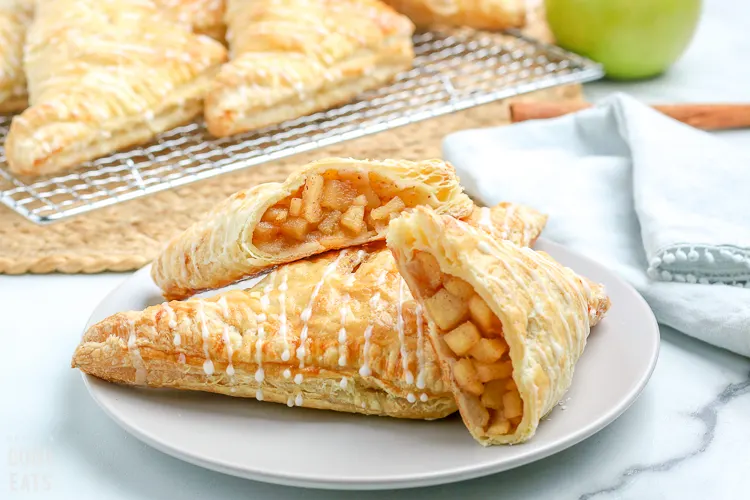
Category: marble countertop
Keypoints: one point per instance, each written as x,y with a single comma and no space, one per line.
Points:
687,436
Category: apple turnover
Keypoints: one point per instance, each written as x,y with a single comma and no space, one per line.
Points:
328,204
104,75
340,331
479,14
291,58
15,16
507,323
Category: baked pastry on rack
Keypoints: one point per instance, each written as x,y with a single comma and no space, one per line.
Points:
15,16
205,17
104,75
327,204
479,14
339,331
291,58
508,324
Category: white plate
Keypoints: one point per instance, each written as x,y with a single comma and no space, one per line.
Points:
324,449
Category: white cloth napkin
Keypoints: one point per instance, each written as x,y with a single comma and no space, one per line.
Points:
664,205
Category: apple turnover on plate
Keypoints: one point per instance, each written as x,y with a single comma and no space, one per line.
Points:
339,331
508,324
328,204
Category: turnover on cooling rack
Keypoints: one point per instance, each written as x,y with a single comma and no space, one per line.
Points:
328,204
479,14
290,58
339,331
508,324
103,76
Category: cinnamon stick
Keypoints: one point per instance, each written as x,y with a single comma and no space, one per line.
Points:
702,116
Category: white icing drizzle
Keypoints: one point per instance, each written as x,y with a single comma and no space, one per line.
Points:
181,358
342,331
298,379
287,373
172,322
208,365
485,219
423,397
420,349
135,356
283,287
290,401
343,383
261,319
506,221
364,370
401,335
411,397
225,336
298,400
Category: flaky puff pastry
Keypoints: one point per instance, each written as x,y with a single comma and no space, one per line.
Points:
327,204
508,324
205,17
291,58
103,75
15,16
479,14
339,331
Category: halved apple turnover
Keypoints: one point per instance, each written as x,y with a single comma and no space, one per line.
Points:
507,323
328,204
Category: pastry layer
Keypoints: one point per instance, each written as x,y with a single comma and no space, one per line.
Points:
102,76
508,324
340,331
479,14
204,17
15,16
328,204
291,58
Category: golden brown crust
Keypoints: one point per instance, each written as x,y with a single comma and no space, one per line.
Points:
546,311
15,16
479,14
291,58
204,17
219,249
361,325
103,76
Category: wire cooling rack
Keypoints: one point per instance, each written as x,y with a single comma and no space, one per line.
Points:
452,71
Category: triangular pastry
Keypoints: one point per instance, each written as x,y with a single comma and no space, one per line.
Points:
508,324
104,75
291,58
328,204
339,331
205,17
15,16
479,14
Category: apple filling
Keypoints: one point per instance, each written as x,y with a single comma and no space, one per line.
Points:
332,209
473,336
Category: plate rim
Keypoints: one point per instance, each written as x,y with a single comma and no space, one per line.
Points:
410,480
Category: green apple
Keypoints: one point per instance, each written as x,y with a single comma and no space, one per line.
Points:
631,38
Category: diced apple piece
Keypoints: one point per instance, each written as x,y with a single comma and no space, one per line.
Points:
483,316
466,377
495,371
516,420
492,397
446,310
512,404
354,219
265,231
428,271
488,350
462,338
360,201
499,425
275,214
384,188
458,287
338,195
295,228
295,207
311,197
511,385
330,224
395,205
